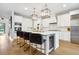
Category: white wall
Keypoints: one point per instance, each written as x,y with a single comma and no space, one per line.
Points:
5,14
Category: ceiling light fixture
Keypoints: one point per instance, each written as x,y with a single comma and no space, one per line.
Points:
26,8
45,13
64,5
34,15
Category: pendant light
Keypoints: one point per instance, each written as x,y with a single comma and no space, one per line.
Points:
45,13
34,15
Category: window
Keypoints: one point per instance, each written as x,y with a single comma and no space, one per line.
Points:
2,28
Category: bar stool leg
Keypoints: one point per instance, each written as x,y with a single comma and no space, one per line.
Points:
30,49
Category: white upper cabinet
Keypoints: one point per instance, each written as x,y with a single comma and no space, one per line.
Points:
63,20
46,22
53,20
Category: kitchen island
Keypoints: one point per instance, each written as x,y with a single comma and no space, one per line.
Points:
45,42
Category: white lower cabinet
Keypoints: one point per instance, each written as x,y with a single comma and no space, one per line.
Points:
65,36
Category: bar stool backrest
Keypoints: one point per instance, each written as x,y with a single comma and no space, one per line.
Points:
18,33
36,38
27,35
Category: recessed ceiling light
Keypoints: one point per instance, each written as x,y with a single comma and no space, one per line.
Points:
26,8
64,5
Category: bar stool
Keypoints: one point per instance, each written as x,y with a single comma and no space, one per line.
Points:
36,39
39,40
18,38
27,42
21,38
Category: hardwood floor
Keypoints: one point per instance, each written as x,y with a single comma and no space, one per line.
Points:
14,49
11,48
66,48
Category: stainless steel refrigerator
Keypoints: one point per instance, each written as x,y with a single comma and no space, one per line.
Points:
75,29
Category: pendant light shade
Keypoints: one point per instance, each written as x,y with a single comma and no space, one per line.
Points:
45,13
34,15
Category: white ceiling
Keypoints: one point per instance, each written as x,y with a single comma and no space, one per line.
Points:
19,7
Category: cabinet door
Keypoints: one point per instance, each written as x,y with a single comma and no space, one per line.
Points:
53,20
45,23
64,35
64,20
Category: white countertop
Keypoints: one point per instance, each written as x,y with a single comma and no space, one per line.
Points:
46,33
43,32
